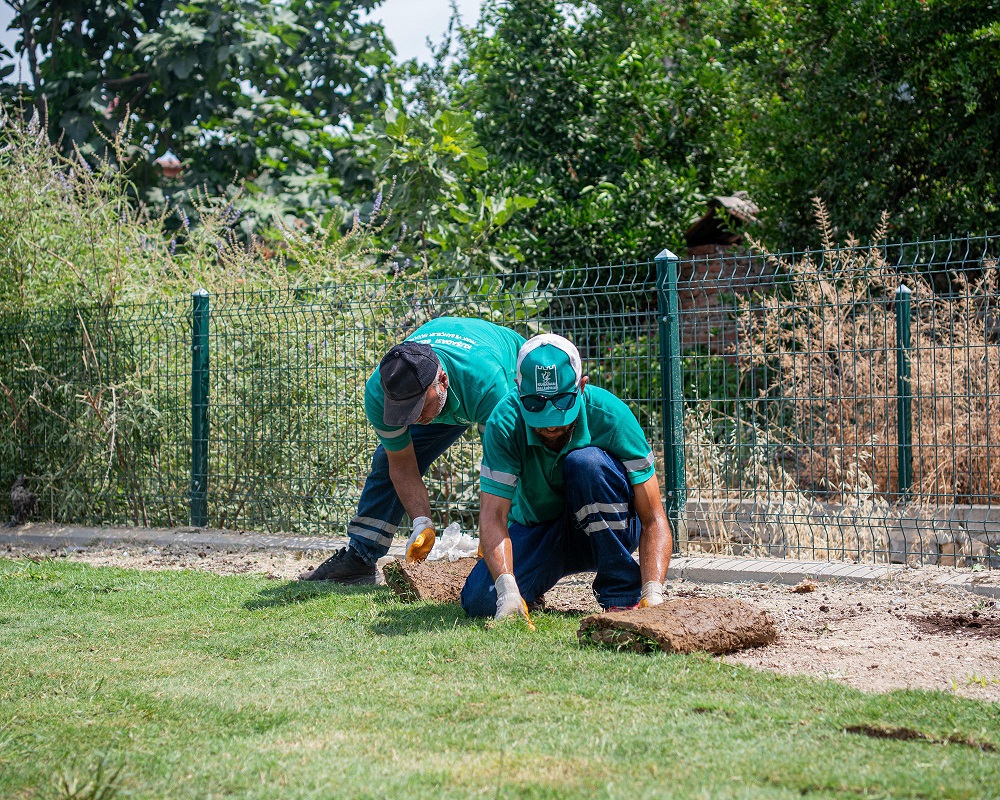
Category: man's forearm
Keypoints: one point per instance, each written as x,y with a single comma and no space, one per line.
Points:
408,483
655,547
655,541
493,536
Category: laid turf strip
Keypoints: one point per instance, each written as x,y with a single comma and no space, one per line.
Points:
185,685
707,624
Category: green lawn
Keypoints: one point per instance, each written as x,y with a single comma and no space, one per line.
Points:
196,686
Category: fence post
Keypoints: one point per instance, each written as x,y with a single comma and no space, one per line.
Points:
904,400
675,483
199,409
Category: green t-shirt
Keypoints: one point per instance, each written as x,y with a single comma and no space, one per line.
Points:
479,358
518,467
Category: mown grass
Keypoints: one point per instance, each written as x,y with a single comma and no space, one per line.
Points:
202,686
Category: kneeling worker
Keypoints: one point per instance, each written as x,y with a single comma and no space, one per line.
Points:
567,485
449,374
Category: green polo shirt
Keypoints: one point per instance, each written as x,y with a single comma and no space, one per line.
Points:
518,467
479,358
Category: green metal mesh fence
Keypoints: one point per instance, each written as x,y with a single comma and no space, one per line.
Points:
96,411
290,445
839,403
825,413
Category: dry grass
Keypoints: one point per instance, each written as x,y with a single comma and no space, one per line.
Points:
832,342
809,466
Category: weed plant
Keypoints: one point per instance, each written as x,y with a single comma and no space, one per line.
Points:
95,318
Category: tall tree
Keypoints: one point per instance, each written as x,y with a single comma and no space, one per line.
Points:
871,105
238,90
610,112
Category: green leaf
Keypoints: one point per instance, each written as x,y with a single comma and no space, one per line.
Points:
183,66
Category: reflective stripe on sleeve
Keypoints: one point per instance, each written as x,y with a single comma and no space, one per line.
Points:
639,464
498,477
395,433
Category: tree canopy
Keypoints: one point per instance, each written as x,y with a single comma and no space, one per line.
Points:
871,105
240,91
609,112
558,133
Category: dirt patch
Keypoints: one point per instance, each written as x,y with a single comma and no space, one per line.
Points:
707,624
438,581
871,636
910,735
975,625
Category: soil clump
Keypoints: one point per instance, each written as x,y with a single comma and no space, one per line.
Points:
438,581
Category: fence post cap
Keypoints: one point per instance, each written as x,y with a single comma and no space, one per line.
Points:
200,293
664,253
904,290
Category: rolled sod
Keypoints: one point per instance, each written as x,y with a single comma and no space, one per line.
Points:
438,581
709,624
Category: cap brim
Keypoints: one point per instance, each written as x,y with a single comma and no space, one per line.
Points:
402,413
550,416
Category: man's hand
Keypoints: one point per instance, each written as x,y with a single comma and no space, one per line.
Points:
652,594
510,604
421,541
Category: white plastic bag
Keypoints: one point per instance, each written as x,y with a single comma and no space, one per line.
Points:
453,545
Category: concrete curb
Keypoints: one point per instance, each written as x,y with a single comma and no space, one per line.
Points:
56,536
776,570
698,569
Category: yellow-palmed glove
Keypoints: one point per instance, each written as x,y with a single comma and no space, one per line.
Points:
510,604
421,541
652,594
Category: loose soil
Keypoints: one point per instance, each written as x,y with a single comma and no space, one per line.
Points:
905,632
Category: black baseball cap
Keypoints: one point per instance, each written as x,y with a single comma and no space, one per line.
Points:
407,370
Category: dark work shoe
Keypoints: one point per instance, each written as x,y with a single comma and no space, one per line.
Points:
344,566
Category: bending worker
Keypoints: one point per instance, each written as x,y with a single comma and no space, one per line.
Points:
425,393
567,485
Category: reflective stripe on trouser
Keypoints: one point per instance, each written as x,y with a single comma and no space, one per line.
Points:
379,509
597,531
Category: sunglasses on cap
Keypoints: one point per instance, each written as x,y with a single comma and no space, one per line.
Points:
536,402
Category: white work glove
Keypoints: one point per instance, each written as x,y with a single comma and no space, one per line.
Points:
510,604
421,541
652,594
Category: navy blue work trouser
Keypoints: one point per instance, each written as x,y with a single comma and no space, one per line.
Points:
380,509
597,531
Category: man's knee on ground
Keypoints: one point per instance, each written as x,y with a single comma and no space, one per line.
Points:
478,596
479,602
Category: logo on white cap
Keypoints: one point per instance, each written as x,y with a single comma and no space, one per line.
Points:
545,379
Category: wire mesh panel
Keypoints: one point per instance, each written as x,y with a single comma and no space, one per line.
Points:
96,412
289,441
836,403
290,445
839,403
